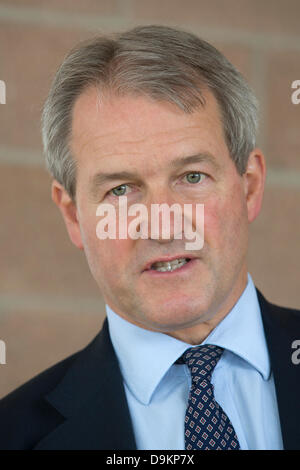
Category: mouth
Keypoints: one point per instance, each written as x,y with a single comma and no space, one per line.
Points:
168,264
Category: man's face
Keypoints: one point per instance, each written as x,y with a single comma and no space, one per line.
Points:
150,141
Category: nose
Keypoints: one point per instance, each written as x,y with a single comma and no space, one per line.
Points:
164,217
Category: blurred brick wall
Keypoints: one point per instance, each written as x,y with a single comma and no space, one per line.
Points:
50,305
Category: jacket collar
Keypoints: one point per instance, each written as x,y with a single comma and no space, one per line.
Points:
92,399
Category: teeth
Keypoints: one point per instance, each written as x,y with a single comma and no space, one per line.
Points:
169,265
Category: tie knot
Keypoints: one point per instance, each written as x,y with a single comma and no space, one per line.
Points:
202,360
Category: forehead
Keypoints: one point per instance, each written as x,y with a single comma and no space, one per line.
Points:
105,125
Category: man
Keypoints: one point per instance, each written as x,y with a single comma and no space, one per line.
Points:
191,355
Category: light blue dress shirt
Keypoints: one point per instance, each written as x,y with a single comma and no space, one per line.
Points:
157,389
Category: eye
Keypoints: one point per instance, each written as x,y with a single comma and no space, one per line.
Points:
119,190
195,177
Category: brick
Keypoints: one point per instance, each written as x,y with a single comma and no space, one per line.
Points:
36,253
35,342
243,15
30,57
283,117
104,7
274,255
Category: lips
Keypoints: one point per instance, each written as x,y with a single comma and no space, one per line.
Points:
167,260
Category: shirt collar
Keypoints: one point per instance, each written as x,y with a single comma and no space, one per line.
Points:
146,356
242,332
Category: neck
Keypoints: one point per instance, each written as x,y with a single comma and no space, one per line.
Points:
197,333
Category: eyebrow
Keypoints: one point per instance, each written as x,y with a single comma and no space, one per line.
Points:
100,178
199,158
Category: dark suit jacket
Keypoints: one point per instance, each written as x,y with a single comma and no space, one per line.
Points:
80,402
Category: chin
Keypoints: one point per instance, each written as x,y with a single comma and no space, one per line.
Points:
177,317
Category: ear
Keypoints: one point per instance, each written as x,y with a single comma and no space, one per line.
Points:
69,212
254,183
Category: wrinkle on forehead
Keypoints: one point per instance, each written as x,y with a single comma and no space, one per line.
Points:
134,125
106,145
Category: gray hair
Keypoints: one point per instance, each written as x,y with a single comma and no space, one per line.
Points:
164,63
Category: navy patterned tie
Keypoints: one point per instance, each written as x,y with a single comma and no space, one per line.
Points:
206,425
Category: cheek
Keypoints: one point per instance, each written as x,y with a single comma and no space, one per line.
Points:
225,221
107,258
109,253
104,251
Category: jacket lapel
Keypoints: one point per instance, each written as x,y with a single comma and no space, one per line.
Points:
282,327
91,397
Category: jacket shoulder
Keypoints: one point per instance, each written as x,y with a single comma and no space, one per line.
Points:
25,415
283,315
